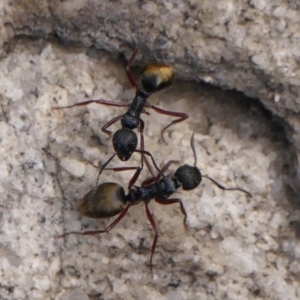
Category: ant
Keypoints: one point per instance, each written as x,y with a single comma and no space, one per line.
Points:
110,197
154,77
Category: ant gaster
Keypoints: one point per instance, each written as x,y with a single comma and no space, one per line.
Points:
110,197
154,77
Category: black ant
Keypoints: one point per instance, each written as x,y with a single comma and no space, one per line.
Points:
110,197
154,77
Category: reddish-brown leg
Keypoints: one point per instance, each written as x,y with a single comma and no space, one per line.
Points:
129,75
172,201
109,123
154,226
144,158
117,169
133,178
138,169
158,176
99,101
148,181
181,117
153,161
107,229
165,168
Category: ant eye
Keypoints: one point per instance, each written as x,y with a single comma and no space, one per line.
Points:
124,142
190,177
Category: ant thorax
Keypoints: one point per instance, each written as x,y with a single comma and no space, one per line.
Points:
162,189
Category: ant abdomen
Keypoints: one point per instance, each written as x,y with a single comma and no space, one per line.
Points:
190,177
109,200
157,76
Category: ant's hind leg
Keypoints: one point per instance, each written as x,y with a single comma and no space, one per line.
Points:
107,229
165,168
172,201
154,226
181,117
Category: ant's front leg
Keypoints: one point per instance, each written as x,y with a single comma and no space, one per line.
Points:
172,201
109,123
144,158
165,168
133,178
154,226
156,178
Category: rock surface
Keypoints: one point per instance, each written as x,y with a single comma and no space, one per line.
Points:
236,248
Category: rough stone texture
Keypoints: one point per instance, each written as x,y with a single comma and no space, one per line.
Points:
251,46
236,248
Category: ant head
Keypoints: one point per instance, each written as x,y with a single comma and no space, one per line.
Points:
124,142
157,76
190,177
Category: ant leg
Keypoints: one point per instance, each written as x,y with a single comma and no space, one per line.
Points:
144,158
181,117
158,177
118,219
153,161
109,123
154,226
133,178
166,167
172,201
107,229
148,181
100,101
97,180
129,64
129,75
120,169
141,129
220,186
117,169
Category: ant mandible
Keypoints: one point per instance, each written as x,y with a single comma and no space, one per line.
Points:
110,197
154,77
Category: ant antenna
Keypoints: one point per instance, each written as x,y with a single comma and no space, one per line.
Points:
153,161
193,148
97,180
220,186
